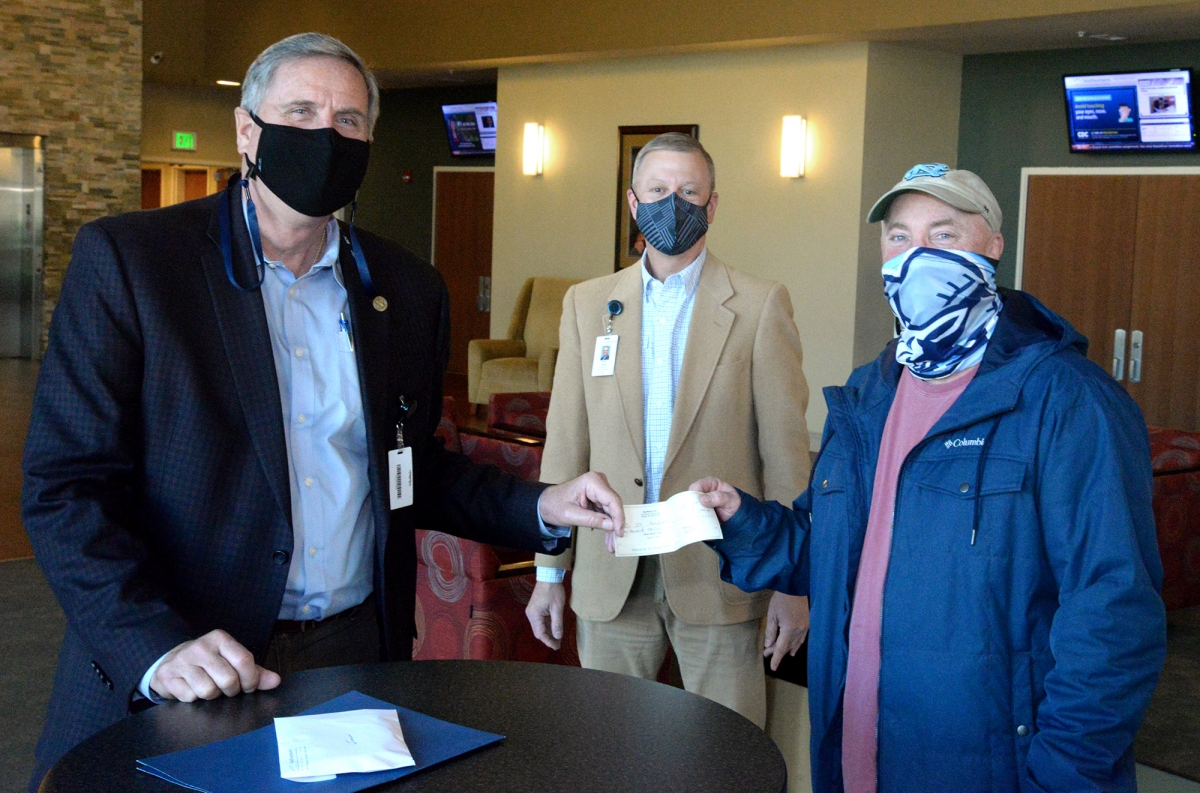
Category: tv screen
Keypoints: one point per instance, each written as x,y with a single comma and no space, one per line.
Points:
471,128
1131,111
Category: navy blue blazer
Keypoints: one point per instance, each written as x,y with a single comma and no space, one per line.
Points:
156,488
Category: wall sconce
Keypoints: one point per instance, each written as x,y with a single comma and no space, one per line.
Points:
791,150
534,149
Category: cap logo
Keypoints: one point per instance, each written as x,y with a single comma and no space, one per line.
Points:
933,170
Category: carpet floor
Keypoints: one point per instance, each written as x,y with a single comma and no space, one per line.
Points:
31,629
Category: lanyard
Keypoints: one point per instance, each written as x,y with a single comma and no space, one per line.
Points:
226,231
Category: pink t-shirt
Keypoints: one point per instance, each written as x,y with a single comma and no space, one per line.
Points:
918,406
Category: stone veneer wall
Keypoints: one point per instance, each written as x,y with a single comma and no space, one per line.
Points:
72,72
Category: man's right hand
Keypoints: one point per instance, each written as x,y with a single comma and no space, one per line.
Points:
545,613
208,667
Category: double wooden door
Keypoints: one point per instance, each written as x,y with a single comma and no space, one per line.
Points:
1119,257
462,253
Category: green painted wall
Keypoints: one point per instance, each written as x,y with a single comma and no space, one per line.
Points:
411,136
1013,116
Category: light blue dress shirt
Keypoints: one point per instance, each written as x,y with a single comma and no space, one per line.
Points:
666,315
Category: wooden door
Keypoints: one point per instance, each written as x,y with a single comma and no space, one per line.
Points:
1166,301
195,183
151,188
462,253
1080,233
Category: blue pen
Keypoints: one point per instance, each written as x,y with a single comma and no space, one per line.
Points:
345,330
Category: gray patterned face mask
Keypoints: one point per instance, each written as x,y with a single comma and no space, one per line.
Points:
672,225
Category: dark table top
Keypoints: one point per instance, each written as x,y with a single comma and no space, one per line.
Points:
566,728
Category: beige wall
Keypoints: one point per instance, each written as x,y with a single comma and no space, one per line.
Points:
911,117
802,232
208,112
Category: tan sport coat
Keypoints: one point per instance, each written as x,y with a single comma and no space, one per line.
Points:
739,415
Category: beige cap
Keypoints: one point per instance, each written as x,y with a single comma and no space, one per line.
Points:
960,189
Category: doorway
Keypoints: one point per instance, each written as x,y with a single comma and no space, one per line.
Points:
164,184
462,253
1116,251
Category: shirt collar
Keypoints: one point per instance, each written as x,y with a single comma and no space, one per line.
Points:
329,256
689,276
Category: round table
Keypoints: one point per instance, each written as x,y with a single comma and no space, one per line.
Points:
566,728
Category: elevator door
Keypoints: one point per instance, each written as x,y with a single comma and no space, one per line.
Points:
20,246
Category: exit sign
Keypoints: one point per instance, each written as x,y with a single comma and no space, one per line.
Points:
184,141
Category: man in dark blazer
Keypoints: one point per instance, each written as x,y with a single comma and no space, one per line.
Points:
171,472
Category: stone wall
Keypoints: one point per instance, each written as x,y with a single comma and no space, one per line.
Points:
72,72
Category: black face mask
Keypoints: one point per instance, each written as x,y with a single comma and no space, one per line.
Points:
314,171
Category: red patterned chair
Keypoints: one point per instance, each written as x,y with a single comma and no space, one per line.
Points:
523,413
1175,456
471,597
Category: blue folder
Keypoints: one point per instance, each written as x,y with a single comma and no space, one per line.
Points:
249,763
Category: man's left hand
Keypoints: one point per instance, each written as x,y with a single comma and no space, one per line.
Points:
787,625
586,501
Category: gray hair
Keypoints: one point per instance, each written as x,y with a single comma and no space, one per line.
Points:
304,45
675,141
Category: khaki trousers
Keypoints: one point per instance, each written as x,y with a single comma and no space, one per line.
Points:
720,662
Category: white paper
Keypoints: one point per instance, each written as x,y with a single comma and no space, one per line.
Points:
400,477
318,747
604,362
667,526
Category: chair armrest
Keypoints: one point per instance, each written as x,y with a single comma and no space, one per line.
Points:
479,351
546,363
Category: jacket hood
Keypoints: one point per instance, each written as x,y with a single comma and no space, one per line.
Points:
1026,334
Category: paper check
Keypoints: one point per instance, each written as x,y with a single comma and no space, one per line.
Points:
667,526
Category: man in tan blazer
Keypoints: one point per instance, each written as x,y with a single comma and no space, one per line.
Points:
705,376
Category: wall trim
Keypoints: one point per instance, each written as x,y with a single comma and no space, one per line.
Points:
1160,170
433,228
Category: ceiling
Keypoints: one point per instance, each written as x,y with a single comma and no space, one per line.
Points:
413,43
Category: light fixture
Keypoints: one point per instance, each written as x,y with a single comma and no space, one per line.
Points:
535,147
229,83
793,146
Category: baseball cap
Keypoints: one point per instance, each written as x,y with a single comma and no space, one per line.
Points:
960,189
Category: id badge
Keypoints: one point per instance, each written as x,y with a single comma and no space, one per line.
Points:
400,477
605,360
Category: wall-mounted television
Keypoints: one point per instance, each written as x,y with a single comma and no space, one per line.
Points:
471,128
1131,111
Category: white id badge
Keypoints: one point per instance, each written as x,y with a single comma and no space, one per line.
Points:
400,477
606,356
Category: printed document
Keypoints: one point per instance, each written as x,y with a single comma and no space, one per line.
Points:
667,526
318,747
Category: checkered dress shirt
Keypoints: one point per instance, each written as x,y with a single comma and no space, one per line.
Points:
666,315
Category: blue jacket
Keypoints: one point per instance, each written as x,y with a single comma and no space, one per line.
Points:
1023,631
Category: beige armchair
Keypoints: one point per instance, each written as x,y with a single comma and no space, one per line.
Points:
525,360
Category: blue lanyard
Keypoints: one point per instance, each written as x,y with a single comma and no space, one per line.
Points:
226,231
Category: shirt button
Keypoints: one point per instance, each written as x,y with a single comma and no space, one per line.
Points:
299,352
1022,730
292,292
964,487
662,321
306,609
825,483
308,482
312,551
301,418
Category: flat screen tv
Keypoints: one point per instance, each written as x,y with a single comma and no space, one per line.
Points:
471,128
1131,111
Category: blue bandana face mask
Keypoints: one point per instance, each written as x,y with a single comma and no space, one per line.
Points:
671,224
947,305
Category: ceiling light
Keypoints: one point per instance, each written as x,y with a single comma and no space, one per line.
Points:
1106,37
229,83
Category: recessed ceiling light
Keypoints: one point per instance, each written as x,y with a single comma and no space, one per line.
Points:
229,83
1106,37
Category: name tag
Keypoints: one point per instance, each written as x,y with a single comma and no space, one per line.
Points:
400,477
605,360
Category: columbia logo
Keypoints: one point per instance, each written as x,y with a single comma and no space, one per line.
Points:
958,443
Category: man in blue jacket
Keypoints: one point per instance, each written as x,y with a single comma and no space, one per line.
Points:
976,541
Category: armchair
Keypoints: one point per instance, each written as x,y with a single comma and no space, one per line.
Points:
525,360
